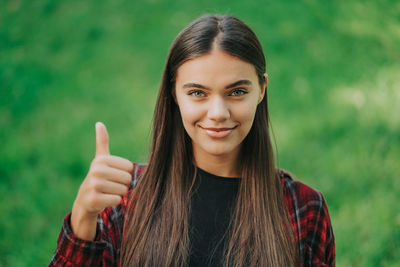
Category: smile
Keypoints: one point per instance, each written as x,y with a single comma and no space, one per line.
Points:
218,132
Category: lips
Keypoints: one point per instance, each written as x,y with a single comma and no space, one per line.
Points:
218,132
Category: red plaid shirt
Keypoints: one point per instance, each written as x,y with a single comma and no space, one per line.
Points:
308,214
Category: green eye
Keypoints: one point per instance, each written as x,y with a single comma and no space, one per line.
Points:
238,92
196,93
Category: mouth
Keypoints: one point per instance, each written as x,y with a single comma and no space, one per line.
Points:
218,132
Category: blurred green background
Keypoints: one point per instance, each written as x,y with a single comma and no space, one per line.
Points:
334,94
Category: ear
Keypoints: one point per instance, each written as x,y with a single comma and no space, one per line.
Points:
263,88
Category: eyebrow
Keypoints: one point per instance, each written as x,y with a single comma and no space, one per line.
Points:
237,83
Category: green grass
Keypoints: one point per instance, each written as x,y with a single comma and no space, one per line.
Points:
334,95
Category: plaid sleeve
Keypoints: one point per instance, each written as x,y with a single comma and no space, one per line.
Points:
320,243
311,223
104,250
73,251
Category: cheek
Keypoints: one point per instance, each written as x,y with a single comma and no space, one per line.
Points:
190,113
245,114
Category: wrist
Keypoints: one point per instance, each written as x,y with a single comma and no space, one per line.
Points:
83,223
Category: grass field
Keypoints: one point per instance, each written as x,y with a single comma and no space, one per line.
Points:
334,95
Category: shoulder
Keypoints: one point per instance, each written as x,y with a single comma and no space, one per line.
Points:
303,202
299,193
309,216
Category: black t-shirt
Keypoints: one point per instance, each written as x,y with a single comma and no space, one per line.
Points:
212,205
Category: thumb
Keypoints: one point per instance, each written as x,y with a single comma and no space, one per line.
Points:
102,140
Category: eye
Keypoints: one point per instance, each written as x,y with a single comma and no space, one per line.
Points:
196,93
238,92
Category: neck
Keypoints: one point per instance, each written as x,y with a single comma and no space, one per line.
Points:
226,165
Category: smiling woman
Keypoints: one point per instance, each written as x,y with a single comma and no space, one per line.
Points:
217,95
210,194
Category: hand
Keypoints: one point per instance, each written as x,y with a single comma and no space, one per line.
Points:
105,184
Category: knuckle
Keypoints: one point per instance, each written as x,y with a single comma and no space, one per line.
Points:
93,169
96,160
101,159
94,202
96,185
93,184
98,170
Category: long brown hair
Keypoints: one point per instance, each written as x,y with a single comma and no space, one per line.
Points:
156,230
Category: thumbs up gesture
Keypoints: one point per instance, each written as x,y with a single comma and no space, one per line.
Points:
106,182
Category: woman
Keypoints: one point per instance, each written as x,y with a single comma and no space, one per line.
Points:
210,194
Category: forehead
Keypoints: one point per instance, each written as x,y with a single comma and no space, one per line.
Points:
216,68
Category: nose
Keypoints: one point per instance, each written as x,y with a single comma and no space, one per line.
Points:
218,110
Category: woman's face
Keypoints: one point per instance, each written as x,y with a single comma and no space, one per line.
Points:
217,95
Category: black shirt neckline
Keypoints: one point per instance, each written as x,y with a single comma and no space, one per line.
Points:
220,178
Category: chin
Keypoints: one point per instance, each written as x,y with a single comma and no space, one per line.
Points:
218,151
